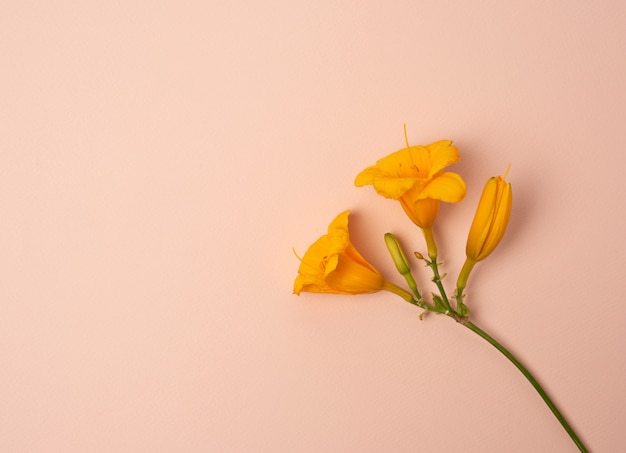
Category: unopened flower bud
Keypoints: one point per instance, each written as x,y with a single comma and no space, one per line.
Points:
491,219
488,226
397,254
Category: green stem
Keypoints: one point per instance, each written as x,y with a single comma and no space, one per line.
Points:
464,275
393,288
432,254
437,280
461,282
413,285
429,236
473,327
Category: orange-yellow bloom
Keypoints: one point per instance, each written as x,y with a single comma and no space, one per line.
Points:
415,177
333,265
490,220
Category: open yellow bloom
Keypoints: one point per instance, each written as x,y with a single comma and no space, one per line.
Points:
490,220
415,177
333,265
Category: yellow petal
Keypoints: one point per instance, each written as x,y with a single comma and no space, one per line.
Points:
448,187
341,221
352,253
313,264
421,212
482,219
353,278
338,234
442,154
385,184
412,162
394,187
302,284
366,176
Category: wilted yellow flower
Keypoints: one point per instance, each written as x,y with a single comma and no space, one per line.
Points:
415,177
490,220
333,265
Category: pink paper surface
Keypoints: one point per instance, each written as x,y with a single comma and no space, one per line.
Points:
160,160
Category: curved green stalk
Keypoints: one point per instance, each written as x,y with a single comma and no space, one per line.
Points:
442,305
474,328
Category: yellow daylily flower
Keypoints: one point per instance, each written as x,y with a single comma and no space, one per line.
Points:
333,265
490,220
415,177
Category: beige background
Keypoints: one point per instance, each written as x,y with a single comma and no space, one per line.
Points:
159,160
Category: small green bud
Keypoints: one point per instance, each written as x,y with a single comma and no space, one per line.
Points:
397,254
